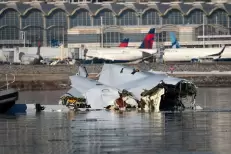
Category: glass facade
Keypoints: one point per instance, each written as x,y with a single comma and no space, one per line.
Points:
83,38
210,30
194,17
9,25
107,18
173,16
151,17
33,25
219,17
136,37
112,38
127,17
48,23
80,18
56,27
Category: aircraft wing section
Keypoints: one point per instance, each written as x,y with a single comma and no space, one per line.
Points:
97,94
124,78
102,96
115,75
172,80
167,79
127,78
73,92
138,86
82,84
158,72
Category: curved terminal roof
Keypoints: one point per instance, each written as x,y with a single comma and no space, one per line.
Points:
116,8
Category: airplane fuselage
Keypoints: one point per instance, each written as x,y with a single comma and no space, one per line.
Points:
118,55
120,50
187,54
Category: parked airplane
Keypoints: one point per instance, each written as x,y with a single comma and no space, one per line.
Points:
123,55
62,59
213,57
93,54
191,54
176,53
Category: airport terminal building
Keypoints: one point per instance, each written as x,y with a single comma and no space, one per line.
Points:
95,24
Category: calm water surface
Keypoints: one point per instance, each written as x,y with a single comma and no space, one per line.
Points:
204,132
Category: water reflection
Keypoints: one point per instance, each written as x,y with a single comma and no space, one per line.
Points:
128,132
35,134
42,97
214,98
208,98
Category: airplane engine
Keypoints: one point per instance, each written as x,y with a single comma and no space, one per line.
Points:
25,59
20,55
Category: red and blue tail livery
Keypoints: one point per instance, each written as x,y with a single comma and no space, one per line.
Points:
148,40
124,42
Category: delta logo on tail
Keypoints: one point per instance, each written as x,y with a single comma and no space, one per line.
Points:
124,42
175,43
148,40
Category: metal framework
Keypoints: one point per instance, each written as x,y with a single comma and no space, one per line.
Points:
45,22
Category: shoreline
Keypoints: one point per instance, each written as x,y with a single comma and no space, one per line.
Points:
39,82
44,77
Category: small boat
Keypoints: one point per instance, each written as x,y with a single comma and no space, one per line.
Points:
8,97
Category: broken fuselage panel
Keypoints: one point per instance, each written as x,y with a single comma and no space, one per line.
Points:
121,87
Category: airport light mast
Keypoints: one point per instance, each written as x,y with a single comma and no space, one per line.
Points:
101,24
203,31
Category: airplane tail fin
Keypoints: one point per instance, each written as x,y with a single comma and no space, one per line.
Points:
148,40
82,71
175,43
38,49
124,42
219,53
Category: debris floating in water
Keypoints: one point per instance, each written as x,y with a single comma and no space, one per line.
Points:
118,88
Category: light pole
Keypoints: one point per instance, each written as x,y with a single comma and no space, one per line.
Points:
101,24
203,31
23,36
63,35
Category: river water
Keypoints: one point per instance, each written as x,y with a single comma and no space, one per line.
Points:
203,132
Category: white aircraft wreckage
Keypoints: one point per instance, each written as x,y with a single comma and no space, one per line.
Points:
120,87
